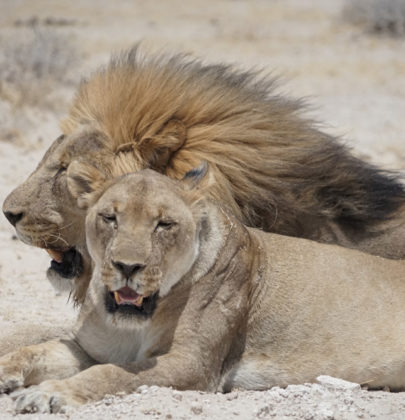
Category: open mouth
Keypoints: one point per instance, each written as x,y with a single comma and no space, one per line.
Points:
67,264
128,302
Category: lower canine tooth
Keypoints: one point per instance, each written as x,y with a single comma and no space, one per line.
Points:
139,300
56,255
117,297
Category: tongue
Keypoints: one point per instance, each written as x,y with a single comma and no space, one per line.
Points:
55,255
127,296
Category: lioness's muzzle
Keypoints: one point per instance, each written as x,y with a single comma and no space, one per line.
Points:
126,301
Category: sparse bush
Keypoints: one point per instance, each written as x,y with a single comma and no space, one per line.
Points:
378,16
32,68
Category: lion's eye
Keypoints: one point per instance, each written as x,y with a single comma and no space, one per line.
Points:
58,178
109,218
164,225
61,170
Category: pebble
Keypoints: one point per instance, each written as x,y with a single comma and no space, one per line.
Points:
177,395
196,408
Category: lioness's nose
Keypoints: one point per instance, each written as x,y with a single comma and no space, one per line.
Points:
128,270
13,218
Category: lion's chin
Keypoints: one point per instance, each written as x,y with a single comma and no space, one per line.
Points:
123,303
65,267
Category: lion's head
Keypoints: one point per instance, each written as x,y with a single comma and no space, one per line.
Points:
46,215
272,168
143,235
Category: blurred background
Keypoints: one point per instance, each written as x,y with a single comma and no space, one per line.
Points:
347,58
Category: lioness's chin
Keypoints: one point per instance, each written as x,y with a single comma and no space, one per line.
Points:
144,310
65,268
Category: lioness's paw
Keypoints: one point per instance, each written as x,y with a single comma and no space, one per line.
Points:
10,379
41,399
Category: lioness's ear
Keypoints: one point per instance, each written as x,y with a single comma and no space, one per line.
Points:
157,150
199,176
85,183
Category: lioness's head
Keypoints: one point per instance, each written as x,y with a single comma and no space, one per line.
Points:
142,234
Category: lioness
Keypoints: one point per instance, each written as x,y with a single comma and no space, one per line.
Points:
184,295
272,167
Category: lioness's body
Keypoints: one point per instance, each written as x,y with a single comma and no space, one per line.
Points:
293,308
272,166
237,307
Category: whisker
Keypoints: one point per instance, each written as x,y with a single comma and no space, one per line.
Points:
66,226
57,238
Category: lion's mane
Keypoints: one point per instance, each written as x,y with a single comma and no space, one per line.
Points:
273,166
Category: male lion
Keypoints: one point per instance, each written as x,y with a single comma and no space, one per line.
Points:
184,295
272,168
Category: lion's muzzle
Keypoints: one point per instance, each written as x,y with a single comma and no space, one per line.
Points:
67,264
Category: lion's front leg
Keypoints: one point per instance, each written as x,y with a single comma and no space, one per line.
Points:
33,364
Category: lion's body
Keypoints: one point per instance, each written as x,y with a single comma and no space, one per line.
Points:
236,307
273,168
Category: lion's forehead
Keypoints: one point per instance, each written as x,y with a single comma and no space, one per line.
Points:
80,144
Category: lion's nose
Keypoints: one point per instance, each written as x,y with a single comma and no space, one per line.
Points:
13,218
128,270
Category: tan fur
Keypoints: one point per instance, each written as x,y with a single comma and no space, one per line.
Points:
272,167
248,310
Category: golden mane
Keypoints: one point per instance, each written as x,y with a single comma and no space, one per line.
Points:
273,167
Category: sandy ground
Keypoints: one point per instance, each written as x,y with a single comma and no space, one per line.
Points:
354,80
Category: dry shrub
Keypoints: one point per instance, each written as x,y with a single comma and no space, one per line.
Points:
34,66
377,16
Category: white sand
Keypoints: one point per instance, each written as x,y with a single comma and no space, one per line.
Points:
355,82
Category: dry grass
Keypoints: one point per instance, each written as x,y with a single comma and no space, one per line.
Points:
377,16
34,65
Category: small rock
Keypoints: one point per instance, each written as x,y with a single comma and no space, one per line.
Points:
143,389
177,395
264,412
336,383
108,400
232,396
196,408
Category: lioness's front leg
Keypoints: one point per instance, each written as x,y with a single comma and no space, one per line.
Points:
203,340
94,383
33,364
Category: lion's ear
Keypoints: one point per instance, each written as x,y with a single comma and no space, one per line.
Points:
85,183
157,150
197,177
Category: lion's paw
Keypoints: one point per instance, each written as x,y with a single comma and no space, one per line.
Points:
10,380
40,399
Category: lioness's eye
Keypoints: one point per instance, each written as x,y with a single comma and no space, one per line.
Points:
109,218
164,225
